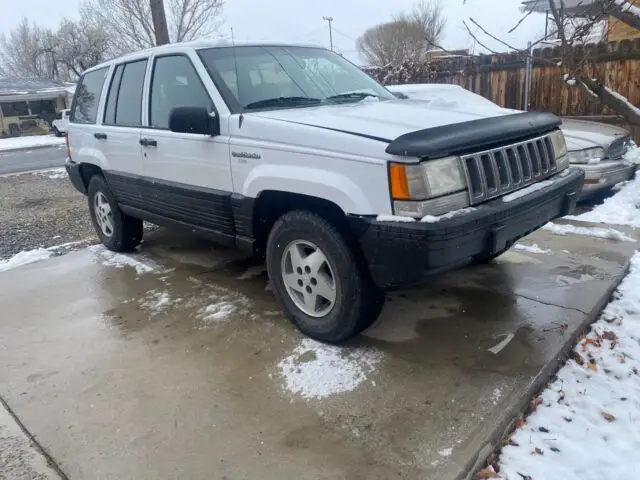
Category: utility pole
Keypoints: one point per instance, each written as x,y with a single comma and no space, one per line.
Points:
330,19
159,22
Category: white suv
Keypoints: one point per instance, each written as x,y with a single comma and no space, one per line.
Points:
294,154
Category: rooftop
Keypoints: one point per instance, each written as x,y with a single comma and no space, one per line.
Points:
26,86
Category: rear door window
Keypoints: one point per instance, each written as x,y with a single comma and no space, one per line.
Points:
129,104
124,98
87,96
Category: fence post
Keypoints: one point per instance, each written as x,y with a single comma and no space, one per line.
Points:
527,78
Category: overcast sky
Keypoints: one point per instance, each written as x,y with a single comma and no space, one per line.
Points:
301,20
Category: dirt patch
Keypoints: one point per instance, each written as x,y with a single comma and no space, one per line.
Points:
37,211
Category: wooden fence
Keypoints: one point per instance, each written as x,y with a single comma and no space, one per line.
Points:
501,78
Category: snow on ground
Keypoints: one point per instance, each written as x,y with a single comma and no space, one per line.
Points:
621,209
119,260
585,424
531,248
31,256
52,173
608,233
217,312
25,143
315,370
156,302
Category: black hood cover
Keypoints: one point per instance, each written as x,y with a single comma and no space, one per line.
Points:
473,136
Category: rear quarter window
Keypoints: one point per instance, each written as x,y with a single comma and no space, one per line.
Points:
87,96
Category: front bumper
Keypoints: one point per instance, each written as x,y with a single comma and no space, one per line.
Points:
73,170
605,175
406,254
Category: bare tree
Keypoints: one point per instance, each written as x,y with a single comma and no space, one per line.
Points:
574,23
408,37
129,23
31,51
24,52
78,46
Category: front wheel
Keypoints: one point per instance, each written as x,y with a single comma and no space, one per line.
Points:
56,132
117,231
326,292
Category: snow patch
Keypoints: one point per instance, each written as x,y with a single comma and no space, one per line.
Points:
446,216
608,233
587,423
633,154
445,452
120,260
531,248
315,370
35,141
526,191
52,173
624,100
217,312
496,395
31,256
621,209
394,218
156,302
25,258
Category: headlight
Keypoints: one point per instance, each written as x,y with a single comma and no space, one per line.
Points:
590,155
444,176
559,143
429,179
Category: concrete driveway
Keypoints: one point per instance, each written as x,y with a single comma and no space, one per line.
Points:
179,364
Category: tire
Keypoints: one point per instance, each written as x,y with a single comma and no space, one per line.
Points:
357,302
56,132
126,232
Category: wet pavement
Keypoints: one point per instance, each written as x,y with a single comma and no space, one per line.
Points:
176,363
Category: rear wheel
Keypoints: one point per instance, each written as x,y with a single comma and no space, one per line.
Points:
326,292
117,231
56,132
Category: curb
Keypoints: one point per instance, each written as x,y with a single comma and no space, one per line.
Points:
35,147
503,427
51,463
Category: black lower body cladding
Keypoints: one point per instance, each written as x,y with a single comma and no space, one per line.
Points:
405,254
73,170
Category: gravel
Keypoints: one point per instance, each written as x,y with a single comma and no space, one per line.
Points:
38,211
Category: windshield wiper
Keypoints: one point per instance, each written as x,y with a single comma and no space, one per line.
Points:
283,102
351,96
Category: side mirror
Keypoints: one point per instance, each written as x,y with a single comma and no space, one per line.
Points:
194,120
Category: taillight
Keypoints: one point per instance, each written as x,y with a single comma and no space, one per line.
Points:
66,139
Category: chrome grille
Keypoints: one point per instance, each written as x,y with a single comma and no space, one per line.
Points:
495,172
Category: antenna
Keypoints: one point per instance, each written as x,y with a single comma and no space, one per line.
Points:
235,64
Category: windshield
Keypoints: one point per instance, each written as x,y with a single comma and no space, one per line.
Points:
252,78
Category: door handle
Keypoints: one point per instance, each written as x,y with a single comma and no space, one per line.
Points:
148,142
100,136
